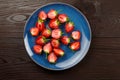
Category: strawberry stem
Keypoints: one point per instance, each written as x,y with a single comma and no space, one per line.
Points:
71,22
46,40
68,20
71,49
39,20
63,33
46,55
59,10
47,27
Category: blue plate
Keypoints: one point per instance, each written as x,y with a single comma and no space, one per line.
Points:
70,58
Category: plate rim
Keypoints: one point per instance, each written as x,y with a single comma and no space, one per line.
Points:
60,69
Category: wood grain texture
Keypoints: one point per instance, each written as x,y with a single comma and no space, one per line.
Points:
101,62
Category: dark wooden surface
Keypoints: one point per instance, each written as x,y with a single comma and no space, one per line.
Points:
101,63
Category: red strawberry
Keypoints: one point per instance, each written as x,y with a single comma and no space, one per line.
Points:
56,33
52,58
40,25
47,48
37,49
34,31
58,51
69,27
76,35
42,15
65,40
62,18
41,40
75,45
52,14
46,33
55,43
54,23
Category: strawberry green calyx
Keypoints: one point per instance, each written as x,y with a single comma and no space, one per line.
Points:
58,22
61,32
56,13
46,51
68,40
46,55
59,11
62,54
39,20
71,49
71,23
44,39
67,20
49,31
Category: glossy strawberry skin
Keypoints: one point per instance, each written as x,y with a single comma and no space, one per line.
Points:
58,51
46,33
75,45
40,25
69,27
54,23
56,33
47,48
52,58
34,31
42,15
76,35
55,43
65,40
52,14
41,40
37,49
62,18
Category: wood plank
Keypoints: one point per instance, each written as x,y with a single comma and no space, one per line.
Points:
101,62
98,23
106,43
97,43
94,66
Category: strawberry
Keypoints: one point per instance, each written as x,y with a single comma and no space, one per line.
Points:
55,43
52,14
46,33
34,31
40,24
54,23
62,18
65,40
56,33
41,40
37,49
42,15
47,48
52,58
69,27
58,51
75,45
76,35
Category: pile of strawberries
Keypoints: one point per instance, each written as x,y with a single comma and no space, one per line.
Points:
49,38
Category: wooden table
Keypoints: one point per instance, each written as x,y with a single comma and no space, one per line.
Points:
101,63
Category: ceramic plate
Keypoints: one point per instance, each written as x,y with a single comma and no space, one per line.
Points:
70,58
